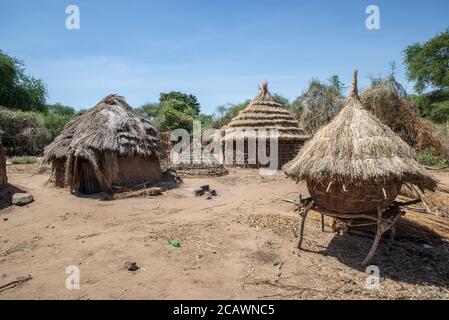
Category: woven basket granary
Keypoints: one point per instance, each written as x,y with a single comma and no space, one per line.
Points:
353,198
356,163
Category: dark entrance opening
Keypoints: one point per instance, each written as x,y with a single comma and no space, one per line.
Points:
89,183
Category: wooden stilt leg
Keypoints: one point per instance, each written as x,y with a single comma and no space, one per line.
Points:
379,232
322,222
303,217
373,248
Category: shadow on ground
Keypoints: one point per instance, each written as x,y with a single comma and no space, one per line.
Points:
411,259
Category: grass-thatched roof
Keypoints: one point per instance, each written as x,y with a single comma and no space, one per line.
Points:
111,126
263,112
356,147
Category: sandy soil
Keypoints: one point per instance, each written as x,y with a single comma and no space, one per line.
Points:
238,245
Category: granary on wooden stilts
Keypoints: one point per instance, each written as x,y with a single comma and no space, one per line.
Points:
109,145
356,163
262,116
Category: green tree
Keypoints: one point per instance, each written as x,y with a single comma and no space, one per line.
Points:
335,82
61,109
428,63
175,110
19,90
224,113
149,110
188,99
428,66
175,114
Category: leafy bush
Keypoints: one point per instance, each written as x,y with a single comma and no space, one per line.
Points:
175,110
433,106
428,158
27,132
23,160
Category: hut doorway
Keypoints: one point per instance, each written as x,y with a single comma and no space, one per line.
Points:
89,183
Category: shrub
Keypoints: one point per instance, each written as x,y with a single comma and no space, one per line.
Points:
23,160
428,158
27,132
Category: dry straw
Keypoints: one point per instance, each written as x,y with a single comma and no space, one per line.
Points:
356,148
388,101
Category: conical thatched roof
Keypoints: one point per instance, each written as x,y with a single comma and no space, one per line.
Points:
355,147
111,126
263,112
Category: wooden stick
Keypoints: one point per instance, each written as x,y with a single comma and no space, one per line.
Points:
15,283
433,168
420,198
303,211
373,247
379,233
344,215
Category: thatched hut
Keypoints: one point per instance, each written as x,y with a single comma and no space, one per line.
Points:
355,163
261,115
110,145
3,177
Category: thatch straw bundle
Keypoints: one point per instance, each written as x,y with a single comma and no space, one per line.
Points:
109,131
388,101
3,177
353,153
263,112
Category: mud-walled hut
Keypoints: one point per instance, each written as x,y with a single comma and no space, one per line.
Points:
109,145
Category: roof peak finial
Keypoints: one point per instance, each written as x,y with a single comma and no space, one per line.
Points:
264,88
354,90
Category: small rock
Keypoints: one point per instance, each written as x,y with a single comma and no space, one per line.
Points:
131,266
213,193
21,199
156,191
426,246
278,263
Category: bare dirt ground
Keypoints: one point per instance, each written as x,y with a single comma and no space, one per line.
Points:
238,245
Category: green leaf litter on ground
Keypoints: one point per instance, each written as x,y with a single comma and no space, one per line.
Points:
175,243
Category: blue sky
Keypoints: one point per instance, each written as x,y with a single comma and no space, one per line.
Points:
218,50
